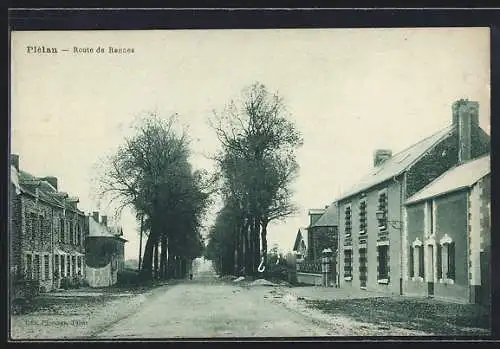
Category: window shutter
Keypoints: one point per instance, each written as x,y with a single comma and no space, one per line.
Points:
421,261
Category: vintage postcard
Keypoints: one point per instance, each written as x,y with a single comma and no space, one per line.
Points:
262,183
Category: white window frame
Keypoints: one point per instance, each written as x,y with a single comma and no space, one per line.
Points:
445,242
416,260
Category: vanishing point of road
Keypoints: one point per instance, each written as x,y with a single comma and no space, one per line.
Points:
209,308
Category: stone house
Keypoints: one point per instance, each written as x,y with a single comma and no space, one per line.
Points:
48,231
105,249
371,212
447,235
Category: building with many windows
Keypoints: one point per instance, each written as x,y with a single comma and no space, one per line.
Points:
447,235
48,231
371,212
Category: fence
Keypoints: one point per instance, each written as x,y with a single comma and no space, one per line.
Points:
313,267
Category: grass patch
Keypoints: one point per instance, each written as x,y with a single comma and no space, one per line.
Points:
440,318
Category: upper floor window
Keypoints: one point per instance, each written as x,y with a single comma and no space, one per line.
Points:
348,220
362,216
382,207
61,227
34,225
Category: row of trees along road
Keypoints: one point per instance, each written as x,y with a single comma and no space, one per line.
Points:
257,165
150,173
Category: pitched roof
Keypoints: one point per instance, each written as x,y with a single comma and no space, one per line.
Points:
97,229
398,163
329,218
458,177
301,236
29,183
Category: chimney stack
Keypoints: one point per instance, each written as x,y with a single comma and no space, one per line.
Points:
14,160
465,118
104,220
52,180
380,156
95,215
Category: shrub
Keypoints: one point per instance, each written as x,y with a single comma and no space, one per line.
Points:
128,277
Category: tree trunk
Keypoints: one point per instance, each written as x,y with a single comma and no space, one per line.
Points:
147,262
249,251
170,261
140,242
163,257
156,260
263,235
256,249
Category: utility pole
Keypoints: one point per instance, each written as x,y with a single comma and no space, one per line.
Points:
140,242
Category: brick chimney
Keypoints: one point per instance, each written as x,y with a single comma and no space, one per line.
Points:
52,180
465,118
104,220
95,215
380,156
14,160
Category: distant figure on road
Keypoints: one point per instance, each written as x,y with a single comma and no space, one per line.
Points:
191,276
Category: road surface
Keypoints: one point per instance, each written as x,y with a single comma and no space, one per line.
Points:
206,308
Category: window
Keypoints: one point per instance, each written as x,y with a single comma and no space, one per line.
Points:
383,262
33,222
36,267
56,266
417,260
363,270
68,266
362,216
46,267
63,266
439,262
61,227
348,264
412,262
421,266
382,206
450,272
348,221
71,233
41,227
78,234
73,262
29,266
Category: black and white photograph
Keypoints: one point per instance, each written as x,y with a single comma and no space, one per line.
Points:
249,183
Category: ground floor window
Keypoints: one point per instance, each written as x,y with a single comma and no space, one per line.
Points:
46,266
73,262
56,265
348,264
412,262
36,267
439,262
68,266
363,269
383,262
421,264
63,266
29,266
449,260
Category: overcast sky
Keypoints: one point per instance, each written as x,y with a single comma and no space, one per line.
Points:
349,91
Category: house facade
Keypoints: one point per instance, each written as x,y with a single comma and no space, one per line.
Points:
371,212
447,235
48,231
105,249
